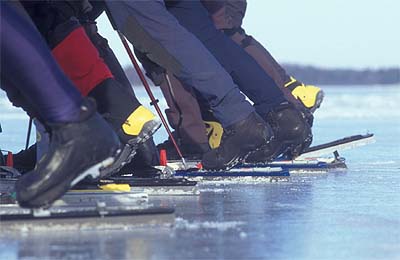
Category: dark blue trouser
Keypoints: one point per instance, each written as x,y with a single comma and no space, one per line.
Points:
154,31
247,74
27,65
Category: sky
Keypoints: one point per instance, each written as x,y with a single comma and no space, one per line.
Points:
355,34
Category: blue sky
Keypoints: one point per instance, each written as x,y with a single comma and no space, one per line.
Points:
327,33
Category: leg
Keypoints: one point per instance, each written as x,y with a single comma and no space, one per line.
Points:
184,111
22,43
262,56
183,114
171,46
75,126
269,99
81,61
249,76
155,32
147,154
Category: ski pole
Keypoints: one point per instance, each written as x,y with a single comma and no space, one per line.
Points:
154,102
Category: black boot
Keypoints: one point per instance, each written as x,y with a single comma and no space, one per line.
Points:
142,164
76,150
237,142
292,134
190,151
133,123
24,160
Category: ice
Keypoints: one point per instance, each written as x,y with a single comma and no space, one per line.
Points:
181,223
243,235
378,101
170,191
391,162
214,190
224,181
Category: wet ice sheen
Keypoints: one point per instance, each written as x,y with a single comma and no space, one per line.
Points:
340,215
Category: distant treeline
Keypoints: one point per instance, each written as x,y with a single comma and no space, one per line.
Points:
319,76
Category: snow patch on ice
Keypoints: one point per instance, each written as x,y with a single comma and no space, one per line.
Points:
243,235
381,163
181,223
213,190
26,228
165,191
289,205
223,181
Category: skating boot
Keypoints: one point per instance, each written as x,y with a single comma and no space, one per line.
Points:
292,134
310,96
76,150
137,129
214,133
142,164
133,123
237,142
190,151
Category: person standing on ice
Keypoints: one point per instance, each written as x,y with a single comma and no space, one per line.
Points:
81,141
154,31
292,131
80,60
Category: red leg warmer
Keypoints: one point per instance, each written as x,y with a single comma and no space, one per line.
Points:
80,61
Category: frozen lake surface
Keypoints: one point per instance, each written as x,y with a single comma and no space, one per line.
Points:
339,215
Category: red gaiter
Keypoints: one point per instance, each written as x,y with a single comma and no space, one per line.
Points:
80,61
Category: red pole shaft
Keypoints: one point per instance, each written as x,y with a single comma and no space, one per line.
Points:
148,90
